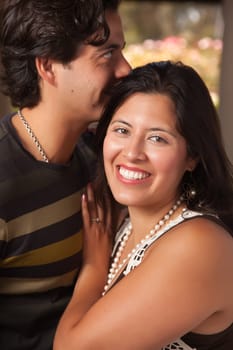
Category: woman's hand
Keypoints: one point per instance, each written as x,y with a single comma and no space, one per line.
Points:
97,236
93,275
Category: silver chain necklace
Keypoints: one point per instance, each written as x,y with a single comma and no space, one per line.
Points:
33,137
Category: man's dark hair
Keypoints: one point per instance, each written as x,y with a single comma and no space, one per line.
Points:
111,4
47,29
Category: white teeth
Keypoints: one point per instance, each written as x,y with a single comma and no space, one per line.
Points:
132,175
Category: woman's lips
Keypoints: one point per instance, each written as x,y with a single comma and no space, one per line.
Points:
132,173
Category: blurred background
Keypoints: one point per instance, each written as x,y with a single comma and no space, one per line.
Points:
191,32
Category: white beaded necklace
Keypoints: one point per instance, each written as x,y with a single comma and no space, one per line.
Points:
33,137
115,266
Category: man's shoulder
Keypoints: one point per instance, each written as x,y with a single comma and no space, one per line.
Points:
3,126
6,139
87,139
86,154
86,145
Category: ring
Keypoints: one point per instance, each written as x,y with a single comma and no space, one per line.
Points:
97,220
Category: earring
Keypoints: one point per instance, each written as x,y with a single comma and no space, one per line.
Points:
189,188
190,193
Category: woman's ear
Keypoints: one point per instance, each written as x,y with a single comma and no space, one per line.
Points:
192,163
45,69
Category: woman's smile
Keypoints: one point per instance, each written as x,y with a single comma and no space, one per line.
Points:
132,174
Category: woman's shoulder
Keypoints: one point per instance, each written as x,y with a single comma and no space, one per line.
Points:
198,239
197,253
199,225
201,230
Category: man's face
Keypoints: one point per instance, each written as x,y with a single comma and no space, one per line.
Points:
83,85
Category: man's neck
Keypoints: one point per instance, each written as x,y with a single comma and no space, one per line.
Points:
56,137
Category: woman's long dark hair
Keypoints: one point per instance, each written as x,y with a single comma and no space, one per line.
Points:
197,122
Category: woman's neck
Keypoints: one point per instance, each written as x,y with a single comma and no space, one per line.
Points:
143,220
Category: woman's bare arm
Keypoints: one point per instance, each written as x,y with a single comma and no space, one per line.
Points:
185,279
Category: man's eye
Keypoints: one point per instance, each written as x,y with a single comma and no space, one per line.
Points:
108,54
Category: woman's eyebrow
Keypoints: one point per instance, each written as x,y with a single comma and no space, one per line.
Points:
121,121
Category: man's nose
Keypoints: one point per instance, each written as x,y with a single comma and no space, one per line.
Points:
123,68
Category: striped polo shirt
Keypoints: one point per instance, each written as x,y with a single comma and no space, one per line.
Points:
40,235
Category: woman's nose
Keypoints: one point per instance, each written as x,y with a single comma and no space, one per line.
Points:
134,150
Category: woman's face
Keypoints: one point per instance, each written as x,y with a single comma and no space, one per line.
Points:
145,157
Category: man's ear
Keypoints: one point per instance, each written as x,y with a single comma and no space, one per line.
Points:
45,69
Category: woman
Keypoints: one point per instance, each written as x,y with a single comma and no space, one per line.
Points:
171,276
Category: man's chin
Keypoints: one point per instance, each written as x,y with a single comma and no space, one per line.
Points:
103,104
97,114
92,126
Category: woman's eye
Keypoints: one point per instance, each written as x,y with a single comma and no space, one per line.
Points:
157,138
121,130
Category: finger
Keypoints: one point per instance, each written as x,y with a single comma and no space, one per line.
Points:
85,211
91,202
100,212
108,219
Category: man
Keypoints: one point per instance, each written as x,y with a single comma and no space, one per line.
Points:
59,60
